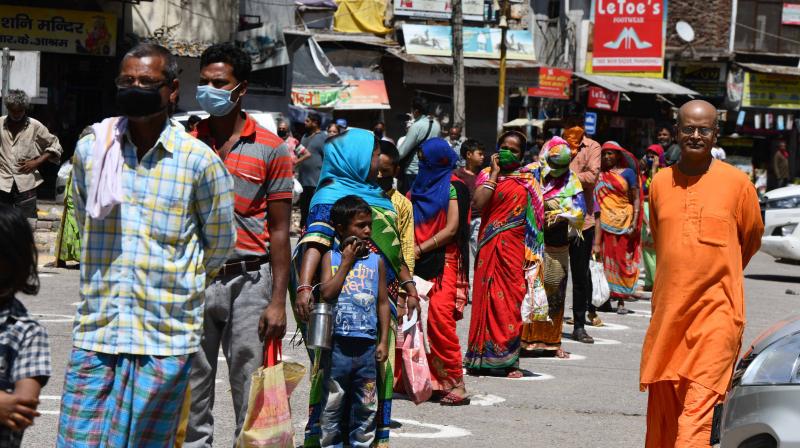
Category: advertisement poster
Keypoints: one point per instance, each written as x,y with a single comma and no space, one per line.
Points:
553,83
484,43
438,9
58,30
363,94
629,35
771,91
791,14
600,98
706,78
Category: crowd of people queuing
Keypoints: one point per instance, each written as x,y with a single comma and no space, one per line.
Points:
185,250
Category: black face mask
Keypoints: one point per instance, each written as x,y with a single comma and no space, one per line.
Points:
283,133
138,102
385,183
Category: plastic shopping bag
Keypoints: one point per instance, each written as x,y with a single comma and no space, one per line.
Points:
269,419
600,290
534,305
297,190
416,374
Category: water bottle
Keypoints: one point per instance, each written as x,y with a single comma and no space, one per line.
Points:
320,326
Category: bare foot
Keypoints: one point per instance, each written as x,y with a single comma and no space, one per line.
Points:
514,374
560,353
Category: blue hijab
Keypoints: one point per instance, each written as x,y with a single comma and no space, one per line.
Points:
345,168
430,194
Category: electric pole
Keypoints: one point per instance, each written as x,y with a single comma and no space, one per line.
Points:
6,61
501,96
458,67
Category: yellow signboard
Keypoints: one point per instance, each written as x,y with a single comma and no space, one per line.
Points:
58,30
771,91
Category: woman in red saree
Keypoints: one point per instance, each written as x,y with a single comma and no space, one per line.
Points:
618,227
441,231
510,247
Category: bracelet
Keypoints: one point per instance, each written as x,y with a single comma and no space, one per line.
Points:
435,242
304,287
402,284
488,187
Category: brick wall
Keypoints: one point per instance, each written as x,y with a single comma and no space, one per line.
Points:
711,20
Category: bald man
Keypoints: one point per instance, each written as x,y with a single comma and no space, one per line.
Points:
706,225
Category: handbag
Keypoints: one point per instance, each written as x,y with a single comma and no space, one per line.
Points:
416,375
600,289
269,418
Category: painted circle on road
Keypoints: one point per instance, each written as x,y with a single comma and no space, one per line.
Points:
611,326
572,357
485,400
529,376
597,341
52,318
440,431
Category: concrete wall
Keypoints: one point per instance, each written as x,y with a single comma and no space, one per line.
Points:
184,20
711,20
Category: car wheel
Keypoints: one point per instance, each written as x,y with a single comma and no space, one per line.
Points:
760,441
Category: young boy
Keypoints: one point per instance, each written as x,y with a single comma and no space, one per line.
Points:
354,278
24,348
388,170
472,153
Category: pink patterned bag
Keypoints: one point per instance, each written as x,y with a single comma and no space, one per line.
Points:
416,374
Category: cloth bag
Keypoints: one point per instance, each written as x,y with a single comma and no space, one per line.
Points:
600,289
269,419
416,375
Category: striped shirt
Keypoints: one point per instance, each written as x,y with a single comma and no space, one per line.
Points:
262,171
145,266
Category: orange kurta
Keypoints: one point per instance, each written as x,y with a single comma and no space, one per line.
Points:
706,228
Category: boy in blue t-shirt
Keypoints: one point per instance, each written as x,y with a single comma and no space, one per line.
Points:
355,279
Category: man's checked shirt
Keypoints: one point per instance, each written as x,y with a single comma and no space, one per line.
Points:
24,353
145,266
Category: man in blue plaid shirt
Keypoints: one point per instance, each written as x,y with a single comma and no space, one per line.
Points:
155,232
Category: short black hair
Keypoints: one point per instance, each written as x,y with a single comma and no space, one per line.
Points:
18,255
346,208
144,50
471,145
389,150
420,104
230,54
316,118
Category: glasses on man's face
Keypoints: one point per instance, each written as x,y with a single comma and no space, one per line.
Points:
125,82
690,130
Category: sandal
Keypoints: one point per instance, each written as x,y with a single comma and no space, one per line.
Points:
452,399
595,320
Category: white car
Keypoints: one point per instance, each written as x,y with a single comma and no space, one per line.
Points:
780,209
267,120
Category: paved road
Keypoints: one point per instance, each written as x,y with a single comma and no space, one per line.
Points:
591,400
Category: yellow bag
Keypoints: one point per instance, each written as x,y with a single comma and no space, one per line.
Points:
269,419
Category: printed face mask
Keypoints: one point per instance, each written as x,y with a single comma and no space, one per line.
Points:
508,161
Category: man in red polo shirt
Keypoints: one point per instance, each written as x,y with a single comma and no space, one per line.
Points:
246,302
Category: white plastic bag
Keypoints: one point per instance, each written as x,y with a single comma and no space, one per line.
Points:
600,290
297,190
534,305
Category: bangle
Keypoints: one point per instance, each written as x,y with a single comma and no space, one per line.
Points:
435,242
412,295
304,287
488,187
402,284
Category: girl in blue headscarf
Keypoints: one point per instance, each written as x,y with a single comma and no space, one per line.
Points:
441,230
350,167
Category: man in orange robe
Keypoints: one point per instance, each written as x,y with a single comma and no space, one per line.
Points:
706,223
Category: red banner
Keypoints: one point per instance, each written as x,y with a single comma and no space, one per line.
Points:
600,98
629,35
553,83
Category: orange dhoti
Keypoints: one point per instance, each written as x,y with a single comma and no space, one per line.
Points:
679,414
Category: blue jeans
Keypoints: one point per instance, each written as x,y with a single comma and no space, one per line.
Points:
349,393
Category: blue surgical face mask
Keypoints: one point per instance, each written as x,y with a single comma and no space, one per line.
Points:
216,102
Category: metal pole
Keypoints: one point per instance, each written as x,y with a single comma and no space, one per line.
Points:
501,95
459,115
6,61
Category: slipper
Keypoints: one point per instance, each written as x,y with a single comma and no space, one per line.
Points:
452,399
623,310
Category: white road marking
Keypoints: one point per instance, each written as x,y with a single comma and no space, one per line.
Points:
610,326
52,318
534,376
597,341
572,357
45,275
49,412
50,397
485,400
442,431
75,303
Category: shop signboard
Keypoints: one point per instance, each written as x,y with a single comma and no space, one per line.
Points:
484,43
473,10
442,75
324,97
58,30
361,94
791,14
590,123
553,83
629,35
600,98
766,90
705,78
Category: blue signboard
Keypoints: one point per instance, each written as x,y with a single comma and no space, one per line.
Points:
590,123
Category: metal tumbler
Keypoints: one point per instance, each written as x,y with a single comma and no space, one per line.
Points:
320,326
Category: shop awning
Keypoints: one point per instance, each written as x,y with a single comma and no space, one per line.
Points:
637,85
468,62
772,69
